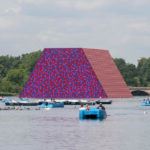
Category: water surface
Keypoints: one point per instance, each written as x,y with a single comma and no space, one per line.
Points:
127,127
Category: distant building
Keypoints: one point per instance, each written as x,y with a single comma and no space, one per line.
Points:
75,73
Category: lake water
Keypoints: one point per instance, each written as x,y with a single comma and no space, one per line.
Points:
127,127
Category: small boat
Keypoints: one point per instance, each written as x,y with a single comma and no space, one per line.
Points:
51,105
78,102
92,113
104,101
72,103
145,102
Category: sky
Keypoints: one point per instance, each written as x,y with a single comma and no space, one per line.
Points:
120,26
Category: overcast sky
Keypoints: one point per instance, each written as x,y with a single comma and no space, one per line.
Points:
121,26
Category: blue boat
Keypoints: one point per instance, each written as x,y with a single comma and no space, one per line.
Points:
51,105
92,113
145,102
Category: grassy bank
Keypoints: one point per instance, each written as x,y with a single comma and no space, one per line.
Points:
8,94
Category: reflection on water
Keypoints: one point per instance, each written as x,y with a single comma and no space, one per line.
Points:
127,127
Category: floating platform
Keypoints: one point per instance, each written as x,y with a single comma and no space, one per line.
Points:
21,104
88,102
92,113
51,105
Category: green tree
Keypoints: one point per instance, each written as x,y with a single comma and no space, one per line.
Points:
14,71
128,71
17,76
28,61
6,86
144,71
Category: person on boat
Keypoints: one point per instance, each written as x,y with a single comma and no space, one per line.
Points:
101,106
87,107
82,107
54,101
146,101
46,103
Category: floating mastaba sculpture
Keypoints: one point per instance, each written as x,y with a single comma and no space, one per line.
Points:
75,73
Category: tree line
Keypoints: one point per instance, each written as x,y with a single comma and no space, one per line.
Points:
14,71
138,76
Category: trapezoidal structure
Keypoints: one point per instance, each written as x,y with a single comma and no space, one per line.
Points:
75,73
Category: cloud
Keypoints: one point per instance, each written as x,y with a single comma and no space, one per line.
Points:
82,5
12,11
122,26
